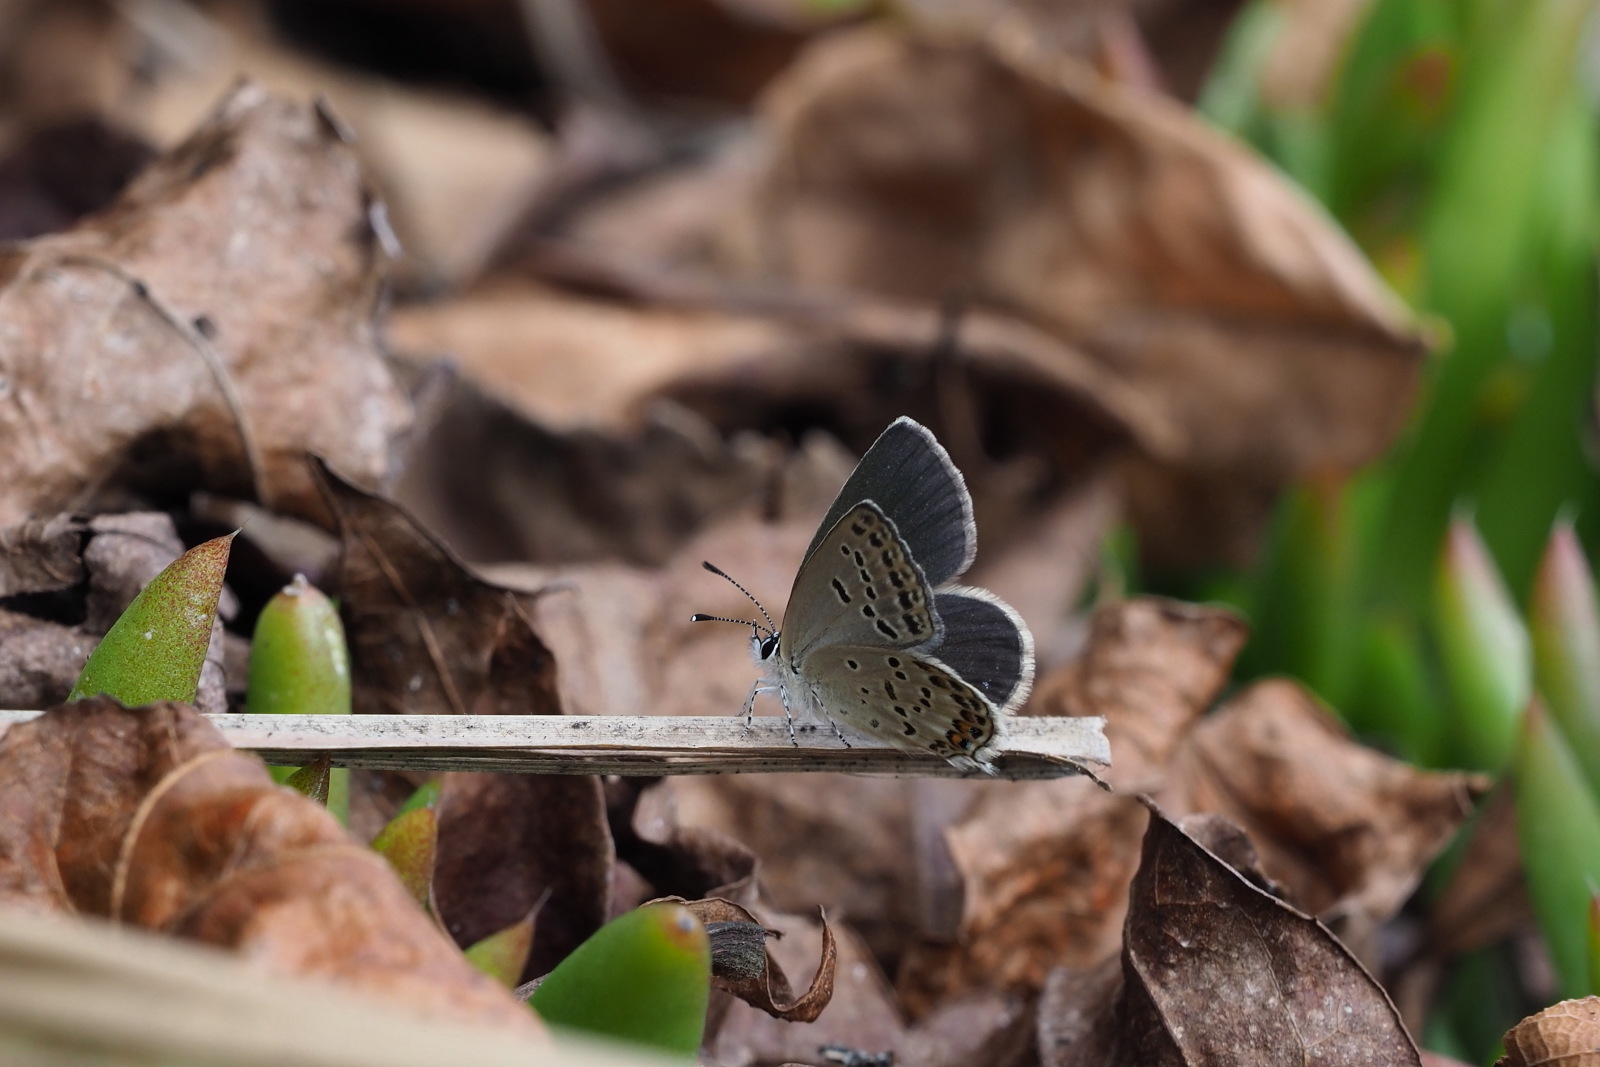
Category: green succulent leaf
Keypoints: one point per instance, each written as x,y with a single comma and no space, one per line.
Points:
644,977
411,845
1485,649
156,649
1558,827
1565,621
503,954
300,665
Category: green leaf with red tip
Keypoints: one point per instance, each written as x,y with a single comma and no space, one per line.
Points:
1565,622
503,955
426,796
411,845
311,780
156,649
1558,828
300,665
1484,647
644,977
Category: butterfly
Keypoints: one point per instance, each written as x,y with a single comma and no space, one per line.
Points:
875,639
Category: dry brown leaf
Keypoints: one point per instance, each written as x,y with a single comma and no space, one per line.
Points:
1567,1034
508,842
61,172
426,636
709,50
1183,267
1216,971
1044,866
146,816
1347,830
207,329
497,485
1486,900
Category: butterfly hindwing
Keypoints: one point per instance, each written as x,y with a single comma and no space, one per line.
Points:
909,700
986,643
860,585
911,478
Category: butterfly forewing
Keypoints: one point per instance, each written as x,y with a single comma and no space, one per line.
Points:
906,699
859,586
909,475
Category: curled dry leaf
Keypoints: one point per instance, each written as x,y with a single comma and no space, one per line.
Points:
147,817
1254,340
1216,971
768,988
1567,1033
63,583
209,327
861,1014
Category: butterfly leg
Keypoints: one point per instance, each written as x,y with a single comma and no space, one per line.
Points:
750,703
843,740
788,716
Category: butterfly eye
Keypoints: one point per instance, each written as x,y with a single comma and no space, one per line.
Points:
768,646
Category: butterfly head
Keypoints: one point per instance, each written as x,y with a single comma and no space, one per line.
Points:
763,639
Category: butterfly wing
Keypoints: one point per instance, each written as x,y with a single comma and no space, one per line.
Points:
909,700
909,475
859,586
986,643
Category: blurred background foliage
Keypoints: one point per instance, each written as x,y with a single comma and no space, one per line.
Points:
1456,142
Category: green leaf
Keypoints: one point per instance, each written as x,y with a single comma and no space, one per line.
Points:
426,796
1565,622
300,665
311,780
1558,828
156,649
411,845
1518,77
1306,621
504,954
1398,697
644,977
1484,647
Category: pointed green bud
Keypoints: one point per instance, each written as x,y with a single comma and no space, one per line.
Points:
503,955
299,665
1485,650
411,845
1565,622
156,649
1558,829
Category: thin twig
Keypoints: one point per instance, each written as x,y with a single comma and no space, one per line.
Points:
1030,748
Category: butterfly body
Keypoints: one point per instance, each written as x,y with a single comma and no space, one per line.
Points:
875,639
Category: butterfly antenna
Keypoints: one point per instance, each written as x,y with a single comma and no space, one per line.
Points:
719,572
